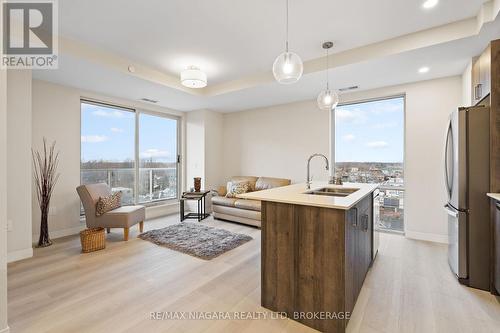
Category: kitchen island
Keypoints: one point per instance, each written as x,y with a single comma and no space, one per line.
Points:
316,250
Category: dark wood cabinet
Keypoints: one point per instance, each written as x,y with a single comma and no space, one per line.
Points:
481,76
315,260
359,228
496,255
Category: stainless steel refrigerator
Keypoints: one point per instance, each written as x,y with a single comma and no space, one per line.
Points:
467,179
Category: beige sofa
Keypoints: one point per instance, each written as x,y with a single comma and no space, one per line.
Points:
242,210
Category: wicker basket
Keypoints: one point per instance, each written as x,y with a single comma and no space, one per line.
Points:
92,239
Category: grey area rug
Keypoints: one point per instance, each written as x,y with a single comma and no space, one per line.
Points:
196,239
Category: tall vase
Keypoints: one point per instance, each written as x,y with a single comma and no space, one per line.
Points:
44,239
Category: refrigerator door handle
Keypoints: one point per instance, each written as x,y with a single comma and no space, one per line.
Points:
450,211
449,188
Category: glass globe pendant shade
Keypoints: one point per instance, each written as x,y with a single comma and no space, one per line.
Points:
328,100
288,68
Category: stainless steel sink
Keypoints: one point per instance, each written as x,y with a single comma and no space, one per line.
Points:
333,191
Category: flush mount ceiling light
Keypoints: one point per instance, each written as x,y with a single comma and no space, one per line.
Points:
328,99
428,4
287,67
193,77
424,70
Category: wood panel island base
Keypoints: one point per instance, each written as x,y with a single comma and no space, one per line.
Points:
315,255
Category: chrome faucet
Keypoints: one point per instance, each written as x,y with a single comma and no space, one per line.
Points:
308,180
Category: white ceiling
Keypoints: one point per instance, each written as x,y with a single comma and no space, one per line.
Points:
235,39
231,39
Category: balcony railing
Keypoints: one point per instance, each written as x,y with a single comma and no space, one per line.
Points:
391,200
155,184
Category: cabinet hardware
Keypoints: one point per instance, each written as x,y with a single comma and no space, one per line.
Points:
355,224
365,219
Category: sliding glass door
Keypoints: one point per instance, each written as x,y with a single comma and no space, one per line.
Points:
132,151
157,158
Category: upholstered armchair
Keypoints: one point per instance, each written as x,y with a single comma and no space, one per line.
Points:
122,217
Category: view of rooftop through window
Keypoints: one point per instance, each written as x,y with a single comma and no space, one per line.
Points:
108,152
369,148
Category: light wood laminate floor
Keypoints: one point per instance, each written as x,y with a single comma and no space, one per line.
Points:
409,289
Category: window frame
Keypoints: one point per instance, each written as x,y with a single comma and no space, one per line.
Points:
137,112
333,133
333,141
178,175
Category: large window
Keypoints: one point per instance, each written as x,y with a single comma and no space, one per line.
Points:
157,158
133,152
369,148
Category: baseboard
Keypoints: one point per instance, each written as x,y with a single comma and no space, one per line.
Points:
62,233
161,210
19,255
151,213
425,236
5,330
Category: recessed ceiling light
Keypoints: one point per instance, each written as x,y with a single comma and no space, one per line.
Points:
423,70
428,4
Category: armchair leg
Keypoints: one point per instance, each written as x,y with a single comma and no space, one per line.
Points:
141,226
125,234
108,230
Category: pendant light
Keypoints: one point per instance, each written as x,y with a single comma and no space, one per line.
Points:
328,99
287,67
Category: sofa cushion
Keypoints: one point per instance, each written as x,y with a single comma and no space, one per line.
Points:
250,179
237,188
248,204
123,217
265,183
245,213
108,203
223,201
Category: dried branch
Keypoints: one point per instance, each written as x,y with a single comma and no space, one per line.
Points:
45,175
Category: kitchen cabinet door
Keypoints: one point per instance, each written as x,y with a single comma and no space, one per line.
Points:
496,247
358,248
351,253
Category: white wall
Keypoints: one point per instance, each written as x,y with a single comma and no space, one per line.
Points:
204,150
19,164
56,116
214,149
467,85
195,147
3,195
276,142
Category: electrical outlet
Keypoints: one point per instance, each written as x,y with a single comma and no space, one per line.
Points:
10,225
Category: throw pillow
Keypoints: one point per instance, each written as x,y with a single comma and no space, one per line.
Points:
237,188
106,204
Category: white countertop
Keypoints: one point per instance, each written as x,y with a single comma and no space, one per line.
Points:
495,196
294,194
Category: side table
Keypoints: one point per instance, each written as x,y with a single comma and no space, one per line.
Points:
200,197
